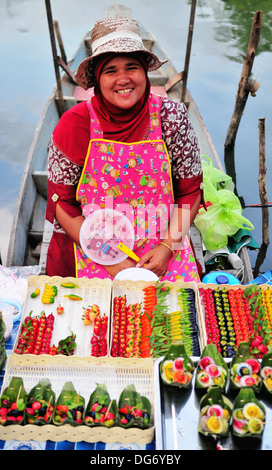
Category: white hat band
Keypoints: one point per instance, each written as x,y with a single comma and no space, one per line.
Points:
115,35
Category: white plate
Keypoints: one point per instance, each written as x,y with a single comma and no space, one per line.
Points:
136,274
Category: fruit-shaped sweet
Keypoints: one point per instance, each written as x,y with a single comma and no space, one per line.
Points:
99,340
35,335
248,415
101,410
177,368
12,402
40,403
245,369
90,314
266,371
49,294
211,369
134,410
215,414
69,406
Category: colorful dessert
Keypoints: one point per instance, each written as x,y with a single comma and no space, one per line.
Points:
134,410
212,369
215,413
101,410
245,369
176,367
266,371
69,406
248,415
40,403
36,333
12,402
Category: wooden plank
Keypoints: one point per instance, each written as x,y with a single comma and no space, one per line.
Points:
40,180
173,81
244,84
36,160
262,183
47,234
198,246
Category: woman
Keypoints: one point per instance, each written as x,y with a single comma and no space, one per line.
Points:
128,147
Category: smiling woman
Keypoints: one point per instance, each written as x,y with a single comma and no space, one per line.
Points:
121,97
127,150
123,81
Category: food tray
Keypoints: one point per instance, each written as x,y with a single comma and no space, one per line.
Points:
228,287
134,293
203,285
177,413
92,291
85,374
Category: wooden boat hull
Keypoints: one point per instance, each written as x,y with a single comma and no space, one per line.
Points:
31,233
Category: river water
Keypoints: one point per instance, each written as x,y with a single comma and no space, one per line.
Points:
220,39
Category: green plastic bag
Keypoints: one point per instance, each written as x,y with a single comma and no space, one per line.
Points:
214,179
223,218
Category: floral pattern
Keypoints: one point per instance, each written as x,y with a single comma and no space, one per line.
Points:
61,170
180,139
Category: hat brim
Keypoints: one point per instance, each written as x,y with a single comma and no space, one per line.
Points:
85,75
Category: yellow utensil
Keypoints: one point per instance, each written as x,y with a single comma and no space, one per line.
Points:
128,251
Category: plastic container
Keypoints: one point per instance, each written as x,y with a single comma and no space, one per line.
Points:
7,307
220,277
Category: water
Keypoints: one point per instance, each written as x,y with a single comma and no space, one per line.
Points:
221,35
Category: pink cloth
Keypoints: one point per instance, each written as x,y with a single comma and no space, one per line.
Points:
134,179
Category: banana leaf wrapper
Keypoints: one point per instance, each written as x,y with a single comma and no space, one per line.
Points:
2,328
214,414
14,394
177,368
101,410
248,415
3,354
42,393
69,406
266,371
245,369
134,410
211,369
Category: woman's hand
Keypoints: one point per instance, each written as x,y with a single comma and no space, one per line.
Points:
116,268
156,260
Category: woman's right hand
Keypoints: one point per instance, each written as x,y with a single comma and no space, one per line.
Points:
114,269
156,260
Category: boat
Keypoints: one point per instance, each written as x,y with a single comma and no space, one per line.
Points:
30,232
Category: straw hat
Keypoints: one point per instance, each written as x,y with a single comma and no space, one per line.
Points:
117,35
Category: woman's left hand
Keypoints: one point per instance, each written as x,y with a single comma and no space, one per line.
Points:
156,260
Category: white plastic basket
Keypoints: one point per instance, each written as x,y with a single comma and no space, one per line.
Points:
92,291
85,373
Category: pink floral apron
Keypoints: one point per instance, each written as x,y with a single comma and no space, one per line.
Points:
135,180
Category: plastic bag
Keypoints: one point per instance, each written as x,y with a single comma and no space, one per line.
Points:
223,218
215,177
214,180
